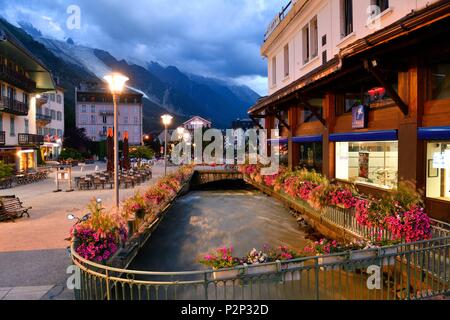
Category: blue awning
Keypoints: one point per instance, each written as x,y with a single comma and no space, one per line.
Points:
434,133
386,135
280,141
307,139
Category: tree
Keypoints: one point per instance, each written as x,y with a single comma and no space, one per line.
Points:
141,153
75,138
6,170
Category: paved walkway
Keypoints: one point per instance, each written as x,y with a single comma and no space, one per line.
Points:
33,255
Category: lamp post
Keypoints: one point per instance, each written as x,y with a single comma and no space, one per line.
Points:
116,82
167,120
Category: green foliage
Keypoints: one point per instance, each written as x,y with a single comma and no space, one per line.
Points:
142,153
40,161
69,153
6,170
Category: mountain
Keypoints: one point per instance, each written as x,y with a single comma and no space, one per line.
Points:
166,89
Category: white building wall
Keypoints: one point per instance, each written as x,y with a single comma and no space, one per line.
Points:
328,14
130,119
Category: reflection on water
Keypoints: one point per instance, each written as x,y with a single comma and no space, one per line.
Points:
203,220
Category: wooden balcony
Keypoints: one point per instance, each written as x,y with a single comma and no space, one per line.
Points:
17,79
12,106
41,101
2,138
26,139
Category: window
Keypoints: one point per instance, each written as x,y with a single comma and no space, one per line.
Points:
59,116
314,38
27,126
52,97
382,5
53,114
346,17
306,44
286,60
105,119
93,108
308,114
311,156
59,99
274,71
12,126
439,82
136,120
438,170
84,108
125,120
3,90
373,163
310,41
59,133
93,119
1,122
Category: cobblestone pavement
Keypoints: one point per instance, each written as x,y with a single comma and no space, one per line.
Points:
33,256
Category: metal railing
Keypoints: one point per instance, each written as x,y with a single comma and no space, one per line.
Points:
26,139
16,78
43,117
408,271
277,20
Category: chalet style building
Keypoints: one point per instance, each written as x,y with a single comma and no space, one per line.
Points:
94,111
360,91
23,80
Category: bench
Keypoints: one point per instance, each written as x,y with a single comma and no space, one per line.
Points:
12,208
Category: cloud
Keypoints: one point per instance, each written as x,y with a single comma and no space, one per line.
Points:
220,38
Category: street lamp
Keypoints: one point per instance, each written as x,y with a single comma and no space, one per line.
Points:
116,82
167,120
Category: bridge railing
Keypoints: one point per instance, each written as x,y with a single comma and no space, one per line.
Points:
408,271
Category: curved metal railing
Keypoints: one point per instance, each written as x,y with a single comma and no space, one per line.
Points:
408,271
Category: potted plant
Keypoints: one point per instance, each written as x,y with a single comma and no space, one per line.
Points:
221,260
362,250
259,261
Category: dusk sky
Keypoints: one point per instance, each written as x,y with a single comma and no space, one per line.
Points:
219,38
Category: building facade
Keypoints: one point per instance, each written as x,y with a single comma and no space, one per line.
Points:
360,90
50,122
22,79
197,122
94,111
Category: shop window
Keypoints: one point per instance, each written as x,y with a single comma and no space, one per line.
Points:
438,170
373,163
439,82
311,156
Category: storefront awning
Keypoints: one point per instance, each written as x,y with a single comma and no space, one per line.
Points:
434,133
386,135
307,139
280,140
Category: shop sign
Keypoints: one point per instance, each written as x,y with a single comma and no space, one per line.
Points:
360,116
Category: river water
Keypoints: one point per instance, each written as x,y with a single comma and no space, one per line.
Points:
207,219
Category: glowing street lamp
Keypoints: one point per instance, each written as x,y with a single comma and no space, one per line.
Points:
167,120
116,82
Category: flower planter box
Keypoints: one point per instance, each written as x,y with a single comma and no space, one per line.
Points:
220,275
261,269
388,261
292,274
362,255
331,260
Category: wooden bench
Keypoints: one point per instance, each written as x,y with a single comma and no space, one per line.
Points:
12,208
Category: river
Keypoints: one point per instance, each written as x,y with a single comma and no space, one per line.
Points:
205,219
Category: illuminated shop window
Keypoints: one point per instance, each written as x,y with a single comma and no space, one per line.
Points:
438,170
372,163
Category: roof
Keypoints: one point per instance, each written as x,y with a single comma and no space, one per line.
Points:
197,117
38,72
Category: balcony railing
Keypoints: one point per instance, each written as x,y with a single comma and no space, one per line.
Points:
41,101
43,119
2,138
9,105
26,139
277,20
15,78
106,113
